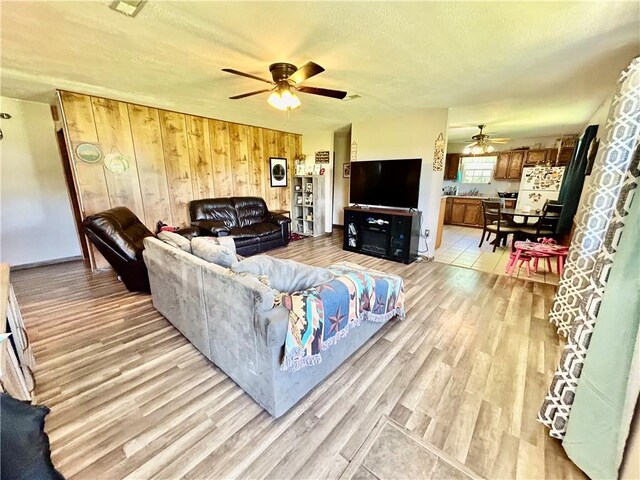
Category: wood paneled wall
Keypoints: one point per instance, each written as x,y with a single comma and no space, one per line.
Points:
173,159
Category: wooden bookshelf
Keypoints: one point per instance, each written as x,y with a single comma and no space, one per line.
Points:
307,205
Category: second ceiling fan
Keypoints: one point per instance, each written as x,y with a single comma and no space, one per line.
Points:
286,82
482,143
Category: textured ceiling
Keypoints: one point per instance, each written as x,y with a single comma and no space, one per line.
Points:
525,69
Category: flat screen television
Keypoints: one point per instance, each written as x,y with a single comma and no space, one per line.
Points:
388,183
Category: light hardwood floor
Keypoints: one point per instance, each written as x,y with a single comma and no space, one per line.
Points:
131,398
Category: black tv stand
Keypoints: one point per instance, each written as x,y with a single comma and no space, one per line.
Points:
381,232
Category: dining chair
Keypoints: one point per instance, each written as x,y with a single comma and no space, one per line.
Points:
546,226
494,223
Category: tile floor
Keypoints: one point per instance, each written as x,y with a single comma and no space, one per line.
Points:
460,247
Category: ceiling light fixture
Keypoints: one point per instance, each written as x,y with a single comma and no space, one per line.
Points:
480,148
284,99
130,8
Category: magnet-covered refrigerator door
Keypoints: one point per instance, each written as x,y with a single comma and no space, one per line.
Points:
542,178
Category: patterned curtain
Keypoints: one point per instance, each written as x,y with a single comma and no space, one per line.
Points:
600,223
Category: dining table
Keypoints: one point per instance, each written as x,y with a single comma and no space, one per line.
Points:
519,212
539,250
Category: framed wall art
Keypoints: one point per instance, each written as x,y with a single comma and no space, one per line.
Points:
278,171
88,152
346,170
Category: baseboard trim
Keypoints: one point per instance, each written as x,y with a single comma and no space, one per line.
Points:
335,225
45,263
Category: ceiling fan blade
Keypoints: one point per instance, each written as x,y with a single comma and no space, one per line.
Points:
249,94
325,92
500,140
308,70
248,75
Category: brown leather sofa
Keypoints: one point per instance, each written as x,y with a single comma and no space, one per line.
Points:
118,234
246,219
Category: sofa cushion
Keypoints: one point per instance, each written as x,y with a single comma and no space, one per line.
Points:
284,275
264,229
242,232
207,248
216,228
175,240
220,209
120,230
227,242
246,241
250,210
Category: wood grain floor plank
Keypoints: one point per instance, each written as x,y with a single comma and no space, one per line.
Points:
131,398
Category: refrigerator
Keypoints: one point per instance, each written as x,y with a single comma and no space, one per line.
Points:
538,185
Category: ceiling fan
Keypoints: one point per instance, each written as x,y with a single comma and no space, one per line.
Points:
286,82
482,143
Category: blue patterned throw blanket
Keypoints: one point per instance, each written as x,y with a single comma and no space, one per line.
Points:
322,315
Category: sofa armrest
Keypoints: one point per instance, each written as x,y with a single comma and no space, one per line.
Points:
277,325
277,218
188,232
213,228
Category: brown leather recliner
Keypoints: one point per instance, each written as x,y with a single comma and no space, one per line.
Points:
247,219
118,235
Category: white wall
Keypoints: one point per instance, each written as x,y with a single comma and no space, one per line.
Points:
408,136
36,223
342,145
316,141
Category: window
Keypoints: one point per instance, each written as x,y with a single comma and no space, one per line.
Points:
477,169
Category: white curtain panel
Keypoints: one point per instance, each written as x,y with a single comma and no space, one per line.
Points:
600,223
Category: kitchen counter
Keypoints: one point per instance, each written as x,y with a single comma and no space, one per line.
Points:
466,209
468,196
479,197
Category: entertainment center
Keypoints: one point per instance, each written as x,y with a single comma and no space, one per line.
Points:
391,233
384,233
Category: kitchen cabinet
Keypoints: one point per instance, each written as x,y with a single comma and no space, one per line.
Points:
457,213
549,156
502,166
509,165
452,164
516,162
447,210
472,214
536,157
441,215
463,211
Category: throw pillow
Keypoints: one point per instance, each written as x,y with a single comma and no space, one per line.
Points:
228,242
175,240
24,444
212,252
284,275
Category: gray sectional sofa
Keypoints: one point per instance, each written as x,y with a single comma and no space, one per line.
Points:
232,320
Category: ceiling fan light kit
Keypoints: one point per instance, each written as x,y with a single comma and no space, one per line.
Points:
284,99
286,82
482,143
